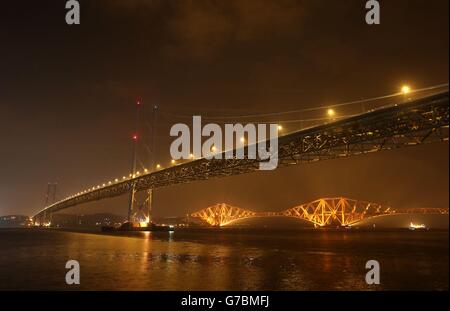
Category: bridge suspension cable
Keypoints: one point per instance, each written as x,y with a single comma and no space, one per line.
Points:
281,113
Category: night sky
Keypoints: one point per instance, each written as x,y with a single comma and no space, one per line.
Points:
67,93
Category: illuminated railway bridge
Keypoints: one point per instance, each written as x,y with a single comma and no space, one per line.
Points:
412,123
322,212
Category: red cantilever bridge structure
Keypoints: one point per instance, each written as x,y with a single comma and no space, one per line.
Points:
322,212
416,122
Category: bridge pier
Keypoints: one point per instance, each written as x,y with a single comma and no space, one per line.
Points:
140,210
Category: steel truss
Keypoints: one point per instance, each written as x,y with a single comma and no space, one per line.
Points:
322,212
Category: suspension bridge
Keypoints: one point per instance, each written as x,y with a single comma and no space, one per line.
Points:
412,123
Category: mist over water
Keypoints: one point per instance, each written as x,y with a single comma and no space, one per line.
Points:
35,259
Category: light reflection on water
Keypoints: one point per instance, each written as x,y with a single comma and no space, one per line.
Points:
303,260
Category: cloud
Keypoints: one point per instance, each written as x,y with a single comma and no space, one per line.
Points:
130,4
261,20
199,29
202,29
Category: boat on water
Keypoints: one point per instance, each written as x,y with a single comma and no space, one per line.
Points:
132,226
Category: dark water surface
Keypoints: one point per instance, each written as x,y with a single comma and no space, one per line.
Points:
304,260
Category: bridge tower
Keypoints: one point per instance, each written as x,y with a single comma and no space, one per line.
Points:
50,198
133,187
152,161
133,163
140,210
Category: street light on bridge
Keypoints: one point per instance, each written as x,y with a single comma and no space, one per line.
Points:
331,113
406,89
